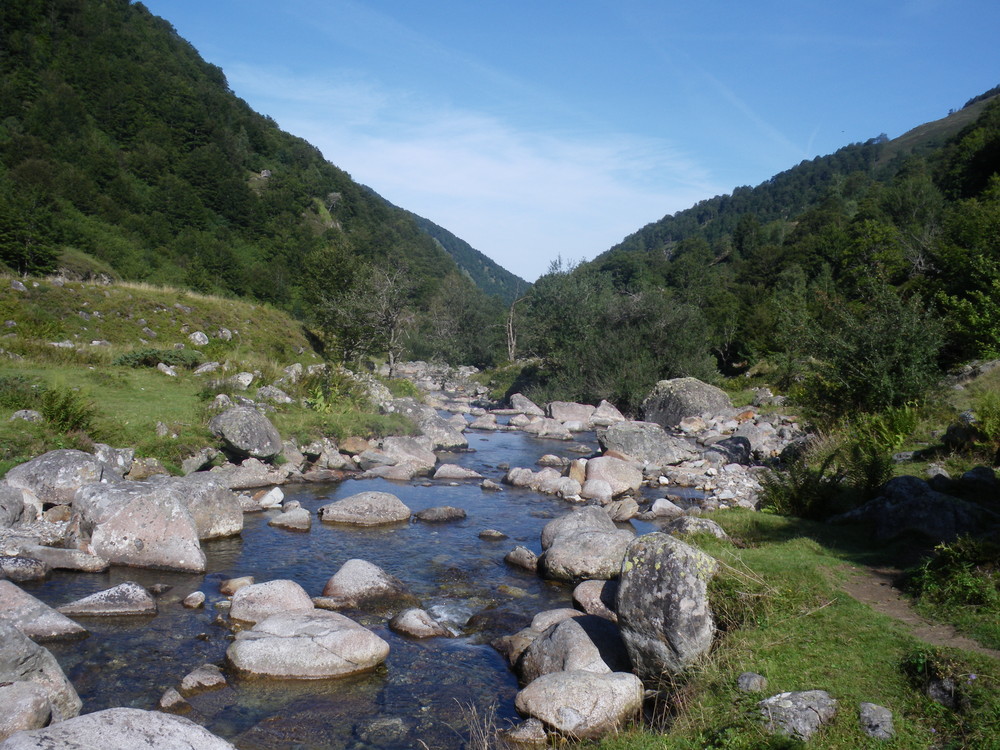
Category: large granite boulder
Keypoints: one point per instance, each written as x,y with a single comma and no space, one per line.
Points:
246,432
140,524
568,411
23,660
662,605
587,518
120,729
586,554
908,505
12,507
622,476
647,442
306,645
366,509
359,583
54,477
605,415
23,705
35,618
418,452
215,508
581,643
582,705
443,435
524,405
258,601
670,401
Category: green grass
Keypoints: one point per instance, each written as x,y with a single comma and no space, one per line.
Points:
784,615
93,399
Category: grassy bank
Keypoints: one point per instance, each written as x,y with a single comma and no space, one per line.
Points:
783,613
84,355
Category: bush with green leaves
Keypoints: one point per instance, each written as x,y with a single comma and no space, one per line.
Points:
185,358
67,410
19,392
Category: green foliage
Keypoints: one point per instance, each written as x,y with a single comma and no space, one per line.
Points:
67,410
804,489
986,407
402,388
960,583
185,358
19,392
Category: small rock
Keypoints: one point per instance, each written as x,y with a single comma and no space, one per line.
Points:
173,702
522,557
231,585
492,535
440,514
127,598
751,682
194,600
205,677
876,721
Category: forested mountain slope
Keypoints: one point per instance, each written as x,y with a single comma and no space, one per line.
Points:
854,276
123,152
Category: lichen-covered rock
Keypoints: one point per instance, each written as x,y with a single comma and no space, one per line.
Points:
246,432
582,705
876,721
672,400
621,475
306,645
23,705
366,509
662,604
127,598
647,442
120,729
35,618
684,525
54,477
23,660
798,714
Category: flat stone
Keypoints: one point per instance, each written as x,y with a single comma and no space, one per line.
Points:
35,618
126,599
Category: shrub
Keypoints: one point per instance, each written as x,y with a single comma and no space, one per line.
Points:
18,392
963,573
185,358
67,410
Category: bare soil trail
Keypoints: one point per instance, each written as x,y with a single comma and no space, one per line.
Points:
875,587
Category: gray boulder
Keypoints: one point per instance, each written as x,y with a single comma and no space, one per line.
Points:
246,432
567,411
588,518
876,721
140,524
23,660
125,599
670,401
647,442
258,601
120,729
662,605
586,554
579,643
414,451
442,434
797,714
12,507
597,598
366,509
685,525
35,618
20,569
306,645
54,477
295,519
908,505
360,583
418,623
525,405
605,415
582,705
621,475
23,705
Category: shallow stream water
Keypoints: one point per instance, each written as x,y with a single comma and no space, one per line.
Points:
427,690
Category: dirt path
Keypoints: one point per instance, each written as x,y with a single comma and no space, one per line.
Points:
874,587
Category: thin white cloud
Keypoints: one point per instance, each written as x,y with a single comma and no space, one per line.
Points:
521,197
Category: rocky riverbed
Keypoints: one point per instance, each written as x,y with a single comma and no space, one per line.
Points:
385,591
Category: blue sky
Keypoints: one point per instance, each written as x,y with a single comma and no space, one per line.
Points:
546,128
